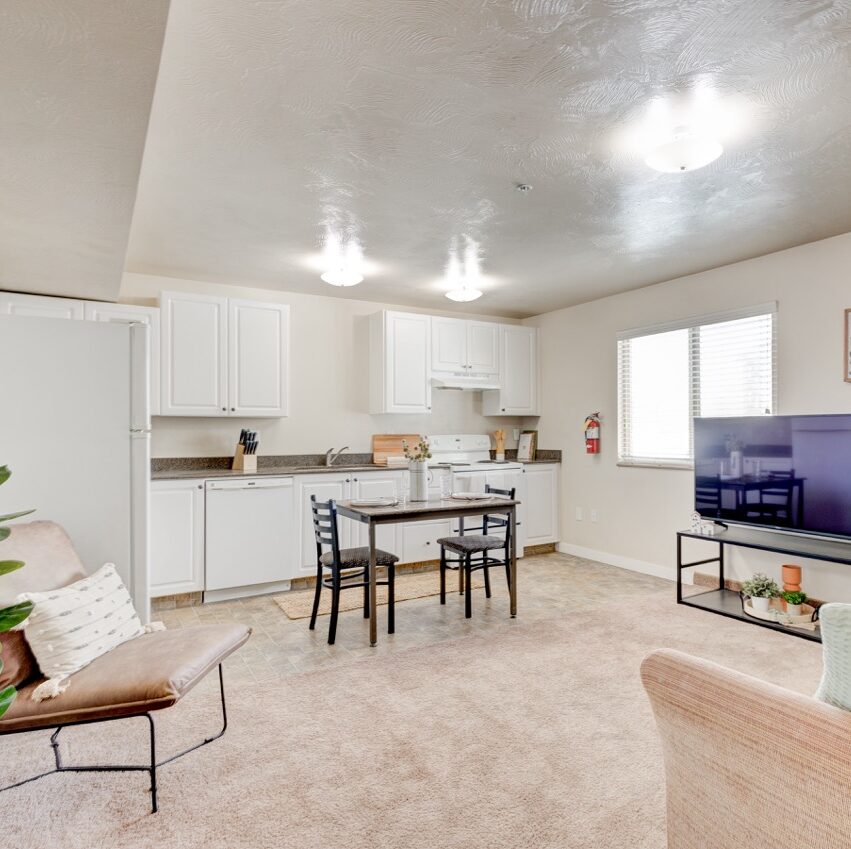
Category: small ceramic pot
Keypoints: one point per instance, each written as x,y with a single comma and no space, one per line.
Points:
793,609
760,604
791,578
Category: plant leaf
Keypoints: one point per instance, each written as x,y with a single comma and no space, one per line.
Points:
5,474
7,566
14,615
9,516
4,532
7,696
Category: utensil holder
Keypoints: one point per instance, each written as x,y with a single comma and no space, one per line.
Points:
243,462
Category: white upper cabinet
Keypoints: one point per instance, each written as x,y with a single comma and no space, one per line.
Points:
464,347
448,345
41,306
400,363
518,395
258,358
482,347
97,311
194,355
223,357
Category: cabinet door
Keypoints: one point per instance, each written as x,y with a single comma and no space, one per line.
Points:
96,311
418,540
376,485
194,355
408,363
40,306
258,358
482,347
542,504
449,345
177,537
518,394
324,487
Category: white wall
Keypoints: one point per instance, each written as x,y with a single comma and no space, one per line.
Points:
639,509
329,391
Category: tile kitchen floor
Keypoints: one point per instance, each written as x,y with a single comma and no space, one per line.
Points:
551,585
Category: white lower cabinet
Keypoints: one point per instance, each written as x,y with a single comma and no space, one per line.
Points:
177,537
419,540
542,504
324,487
375,485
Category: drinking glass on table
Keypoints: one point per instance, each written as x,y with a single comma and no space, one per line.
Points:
402,488
445,484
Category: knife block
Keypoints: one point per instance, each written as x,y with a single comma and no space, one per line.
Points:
243,462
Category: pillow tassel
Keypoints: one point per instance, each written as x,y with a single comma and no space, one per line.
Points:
49,689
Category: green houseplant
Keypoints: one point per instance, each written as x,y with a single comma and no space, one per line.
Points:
14,615
794,600
760,589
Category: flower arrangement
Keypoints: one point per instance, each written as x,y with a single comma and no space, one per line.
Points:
419,453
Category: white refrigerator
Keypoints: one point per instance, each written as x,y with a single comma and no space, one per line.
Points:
75,431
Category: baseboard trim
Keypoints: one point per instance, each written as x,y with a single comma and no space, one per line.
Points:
631,563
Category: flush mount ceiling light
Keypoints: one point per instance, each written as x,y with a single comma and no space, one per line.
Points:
684,151
343,264
464,281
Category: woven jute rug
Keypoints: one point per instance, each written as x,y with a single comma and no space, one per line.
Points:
298,605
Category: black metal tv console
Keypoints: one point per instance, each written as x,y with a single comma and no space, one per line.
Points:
729,602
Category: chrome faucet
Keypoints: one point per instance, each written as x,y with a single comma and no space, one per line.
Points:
330,456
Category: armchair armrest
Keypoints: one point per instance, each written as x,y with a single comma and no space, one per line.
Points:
748,764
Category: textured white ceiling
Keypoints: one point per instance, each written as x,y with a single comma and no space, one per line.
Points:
77,79
408,124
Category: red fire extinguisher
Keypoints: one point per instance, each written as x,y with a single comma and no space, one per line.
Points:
592,434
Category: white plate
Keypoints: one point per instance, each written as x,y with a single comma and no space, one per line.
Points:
374,502
471,496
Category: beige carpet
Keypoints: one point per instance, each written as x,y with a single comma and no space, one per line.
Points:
536,735
298,605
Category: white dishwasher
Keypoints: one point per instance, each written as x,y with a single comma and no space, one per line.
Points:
250,536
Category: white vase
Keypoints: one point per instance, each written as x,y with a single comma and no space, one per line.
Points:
736,463
418,473
760,604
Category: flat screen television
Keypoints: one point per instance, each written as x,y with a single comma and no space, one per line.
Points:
792,473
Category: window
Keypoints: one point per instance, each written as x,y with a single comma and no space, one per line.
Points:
714,366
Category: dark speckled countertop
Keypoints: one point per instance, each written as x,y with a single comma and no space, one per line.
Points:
192,468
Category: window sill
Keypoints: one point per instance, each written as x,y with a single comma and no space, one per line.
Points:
657,464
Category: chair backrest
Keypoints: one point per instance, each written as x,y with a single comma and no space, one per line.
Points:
707,494
325,526
50,559
498,521
783,494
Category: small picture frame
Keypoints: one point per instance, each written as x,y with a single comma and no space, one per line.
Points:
527,445
847,335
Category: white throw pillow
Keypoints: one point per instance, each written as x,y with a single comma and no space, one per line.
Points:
74,625
835,686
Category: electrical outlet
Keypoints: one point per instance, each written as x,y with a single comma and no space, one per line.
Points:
593,515
578,514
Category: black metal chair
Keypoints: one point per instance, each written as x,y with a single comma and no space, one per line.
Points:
470,546
353,561
775,503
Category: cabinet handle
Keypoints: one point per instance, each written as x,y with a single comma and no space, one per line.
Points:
347,480
503,409
200,486
224,409
233,409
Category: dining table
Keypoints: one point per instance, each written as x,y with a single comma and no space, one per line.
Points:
449,507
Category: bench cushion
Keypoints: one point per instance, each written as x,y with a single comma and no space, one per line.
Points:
148,673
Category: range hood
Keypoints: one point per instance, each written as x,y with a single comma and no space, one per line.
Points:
463,382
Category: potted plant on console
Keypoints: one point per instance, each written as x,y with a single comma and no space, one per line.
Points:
760,589
794,600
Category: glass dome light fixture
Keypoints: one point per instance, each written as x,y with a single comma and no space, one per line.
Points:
344,263
685,150
463,281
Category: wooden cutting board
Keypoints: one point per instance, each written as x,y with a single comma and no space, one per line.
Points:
386,445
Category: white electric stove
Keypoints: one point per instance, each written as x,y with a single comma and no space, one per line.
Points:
469,459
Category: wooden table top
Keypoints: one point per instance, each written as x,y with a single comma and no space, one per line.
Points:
421,509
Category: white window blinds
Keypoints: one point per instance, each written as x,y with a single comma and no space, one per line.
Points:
721,365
